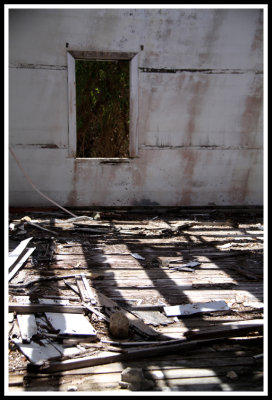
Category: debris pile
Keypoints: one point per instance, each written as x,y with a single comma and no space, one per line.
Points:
62,316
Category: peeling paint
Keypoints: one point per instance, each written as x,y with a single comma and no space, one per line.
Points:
189,159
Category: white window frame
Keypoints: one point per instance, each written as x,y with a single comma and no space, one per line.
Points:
72,55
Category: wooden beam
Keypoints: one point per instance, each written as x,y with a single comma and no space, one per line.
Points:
228,329
40,308
101,55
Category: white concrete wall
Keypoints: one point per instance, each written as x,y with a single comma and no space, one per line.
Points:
200,107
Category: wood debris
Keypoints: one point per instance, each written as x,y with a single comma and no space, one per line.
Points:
18,257
170,278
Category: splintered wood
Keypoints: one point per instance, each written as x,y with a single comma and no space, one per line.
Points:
189,283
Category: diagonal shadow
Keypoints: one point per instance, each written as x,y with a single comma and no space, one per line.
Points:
136,246
156,273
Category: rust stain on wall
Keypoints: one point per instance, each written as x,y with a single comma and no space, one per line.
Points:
139,169
72,196
188,162
209,39
252,113
257,42
197,89
240,187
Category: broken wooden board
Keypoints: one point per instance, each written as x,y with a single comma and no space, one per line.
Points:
42,228
88,289
189,309
15,254
95,311
228,329
19,263
70,324
37,353
136,323
154,318
84,289
50,278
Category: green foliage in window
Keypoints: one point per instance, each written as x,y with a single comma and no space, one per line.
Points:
102,106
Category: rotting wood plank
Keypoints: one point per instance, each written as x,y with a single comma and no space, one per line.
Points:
81,289
40,308
107,257
233,328
162,275
174,295
122,265
88,289
166,283
47,278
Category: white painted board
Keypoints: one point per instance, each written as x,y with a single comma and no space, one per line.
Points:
188,309
37,353
70,324
27,325
14,255
20,263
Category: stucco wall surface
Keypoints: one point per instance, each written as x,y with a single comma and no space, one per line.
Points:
200,107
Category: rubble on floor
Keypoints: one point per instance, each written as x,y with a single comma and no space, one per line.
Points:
120,300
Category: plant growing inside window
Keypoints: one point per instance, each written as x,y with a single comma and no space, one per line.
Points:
102,108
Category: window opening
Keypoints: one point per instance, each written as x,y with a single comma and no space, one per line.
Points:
102,108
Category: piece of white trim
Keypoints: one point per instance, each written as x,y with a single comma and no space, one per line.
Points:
14,254
188,309
132,58
20,263
71,75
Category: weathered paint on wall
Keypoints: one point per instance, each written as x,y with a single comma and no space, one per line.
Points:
200,86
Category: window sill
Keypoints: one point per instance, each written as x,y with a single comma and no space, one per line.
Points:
104,160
